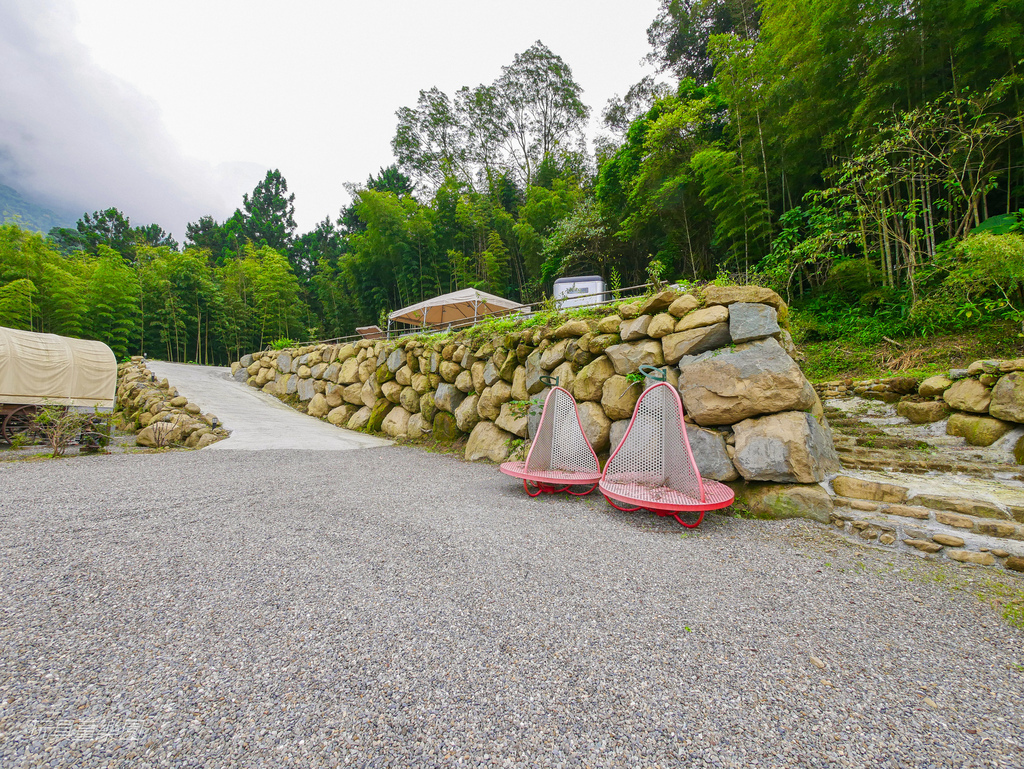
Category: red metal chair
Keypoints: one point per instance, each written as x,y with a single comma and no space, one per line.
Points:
653,467
560,456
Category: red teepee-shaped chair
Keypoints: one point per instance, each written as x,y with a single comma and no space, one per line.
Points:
653,467
560,456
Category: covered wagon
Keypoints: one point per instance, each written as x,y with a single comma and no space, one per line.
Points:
38,370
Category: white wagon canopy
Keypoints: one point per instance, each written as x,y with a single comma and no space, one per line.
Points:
456,307
46,368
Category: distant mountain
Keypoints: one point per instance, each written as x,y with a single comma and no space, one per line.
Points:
29,215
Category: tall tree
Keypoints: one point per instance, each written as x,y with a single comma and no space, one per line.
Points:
269,218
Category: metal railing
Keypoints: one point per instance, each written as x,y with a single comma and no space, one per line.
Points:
526,310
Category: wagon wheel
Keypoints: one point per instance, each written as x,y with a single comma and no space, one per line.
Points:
21,421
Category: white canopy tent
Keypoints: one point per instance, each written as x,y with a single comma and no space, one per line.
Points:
467,304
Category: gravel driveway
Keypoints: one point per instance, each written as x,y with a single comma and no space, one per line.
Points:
391,607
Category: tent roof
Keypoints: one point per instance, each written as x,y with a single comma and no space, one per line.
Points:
46,368
453,307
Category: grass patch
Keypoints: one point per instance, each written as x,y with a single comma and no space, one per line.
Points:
915,357
1003,591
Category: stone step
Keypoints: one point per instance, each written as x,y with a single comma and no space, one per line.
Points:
955,517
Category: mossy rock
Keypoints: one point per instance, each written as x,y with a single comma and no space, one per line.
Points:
380,410
775,501
445,428
384,374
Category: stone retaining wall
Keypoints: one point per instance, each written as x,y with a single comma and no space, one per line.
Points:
751,413
158,414
960,529
981,403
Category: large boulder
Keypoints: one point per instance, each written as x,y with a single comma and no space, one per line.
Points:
341,415
709,316
378,413
396,422
710,454
392,391
596,426
590,380
513,419
489,405
968,395
619,397
628,357
571,328
305,388
660,302
662,324
448,397
284,362
427,406
554,355
601,342
444,427
417,427
349,372
533,373
684,304
449,370
777,501
695,341
395,360
360,419
353,394
1008,398
466,414
420,383
519,385
404,376
464,381
488,441
749,321
160,434
317,406
977,430
922,412
727,386
410,400
334,395
632,330
935,385
491,373
728,295
564,375
789,448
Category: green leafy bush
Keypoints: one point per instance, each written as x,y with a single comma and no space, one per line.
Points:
282,343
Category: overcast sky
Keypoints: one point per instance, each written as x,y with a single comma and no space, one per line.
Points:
171,110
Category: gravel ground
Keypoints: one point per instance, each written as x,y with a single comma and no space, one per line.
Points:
273,609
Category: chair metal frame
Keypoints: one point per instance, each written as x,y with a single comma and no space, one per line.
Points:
560,455
653,467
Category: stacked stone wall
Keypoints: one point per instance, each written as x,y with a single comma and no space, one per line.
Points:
981,403
751,413
159,415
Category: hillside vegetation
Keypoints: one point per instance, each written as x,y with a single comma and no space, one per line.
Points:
864,160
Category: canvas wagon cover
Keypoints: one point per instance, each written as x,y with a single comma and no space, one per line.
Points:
46,368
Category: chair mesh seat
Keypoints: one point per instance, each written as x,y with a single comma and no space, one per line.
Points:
653,466
518,470
716,495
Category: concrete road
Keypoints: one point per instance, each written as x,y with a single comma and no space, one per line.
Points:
256,420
